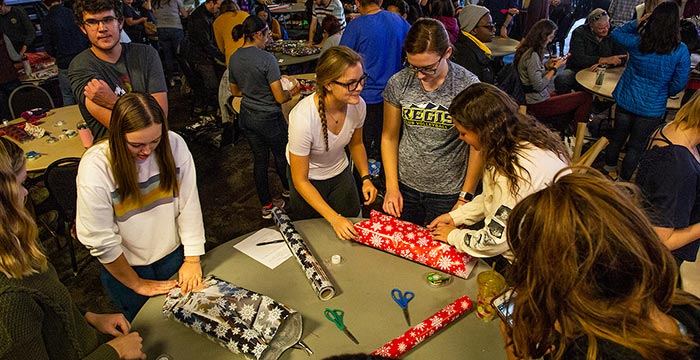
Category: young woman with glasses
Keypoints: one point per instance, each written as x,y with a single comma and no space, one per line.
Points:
254,74
426,168
320,127
536,76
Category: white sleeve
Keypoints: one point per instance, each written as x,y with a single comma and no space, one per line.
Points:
190,226
95,223
300,138
469,213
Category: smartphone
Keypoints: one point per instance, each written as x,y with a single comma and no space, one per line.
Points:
503,304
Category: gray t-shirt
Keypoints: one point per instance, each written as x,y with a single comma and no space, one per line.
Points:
138,69
253,70
168,14
432,158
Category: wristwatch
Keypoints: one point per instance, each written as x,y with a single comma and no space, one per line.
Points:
366,177
466,196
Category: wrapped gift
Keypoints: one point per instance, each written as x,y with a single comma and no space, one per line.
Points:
240,320
419,333
413,242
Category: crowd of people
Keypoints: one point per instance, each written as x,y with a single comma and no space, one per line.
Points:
421,97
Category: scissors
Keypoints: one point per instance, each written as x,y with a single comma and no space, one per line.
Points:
402,299
336,317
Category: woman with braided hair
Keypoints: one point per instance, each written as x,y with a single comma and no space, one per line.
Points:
320,127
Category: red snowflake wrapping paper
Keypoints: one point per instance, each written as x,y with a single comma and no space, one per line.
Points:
412,242
417,334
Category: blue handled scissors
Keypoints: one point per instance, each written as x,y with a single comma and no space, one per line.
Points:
402,299
336,317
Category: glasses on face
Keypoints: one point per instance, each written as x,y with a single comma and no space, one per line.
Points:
94,23
490,26
353,85
425,70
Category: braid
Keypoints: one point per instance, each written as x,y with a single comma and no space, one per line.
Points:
322,114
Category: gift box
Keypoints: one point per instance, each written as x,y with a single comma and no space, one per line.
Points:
238,319
412,242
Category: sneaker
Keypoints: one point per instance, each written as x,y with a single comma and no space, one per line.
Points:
285,194
267,210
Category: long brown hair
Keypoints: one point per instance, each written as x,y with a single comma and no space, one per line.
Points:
502,129
133,112
331,66
589,265
426,35
536,39
20,252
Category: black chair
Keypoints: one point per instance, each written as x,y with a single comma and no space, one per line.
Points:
26,97
59,179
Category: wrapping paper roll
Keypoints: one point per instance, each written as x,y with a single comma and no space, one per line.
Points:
314,272
415,335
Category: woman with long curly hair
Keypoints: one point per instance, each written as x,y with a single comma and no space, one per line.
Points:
592,280
138,208
521,156
320,127
658,67
536,76
38,319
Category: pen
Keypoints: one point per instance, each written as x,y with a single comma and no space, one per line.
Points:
269,242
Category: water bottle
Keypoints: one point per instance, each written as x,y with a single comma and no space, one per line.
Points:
374,168
27,66
601,75
557,49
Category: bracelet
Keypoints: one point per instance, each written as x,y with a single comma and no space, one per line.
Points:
366,177
192,261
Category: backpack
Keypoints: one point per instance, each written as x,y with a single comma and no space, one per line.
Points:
508,80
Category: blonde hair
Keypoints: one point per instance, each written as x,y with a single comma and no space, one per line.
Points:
20,252
331,66
689,114
588,265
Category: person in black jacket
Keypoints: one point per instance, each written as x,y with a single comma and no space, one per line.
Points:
62,40
476,28
204,57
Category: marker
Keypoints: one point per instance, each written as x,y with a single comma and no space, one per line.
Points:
270,242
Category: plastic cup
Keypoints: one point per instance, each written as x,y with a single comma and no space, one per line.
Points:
491,283
85,136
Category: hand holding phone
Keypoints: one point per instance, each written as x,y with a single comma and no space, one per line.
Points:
504,306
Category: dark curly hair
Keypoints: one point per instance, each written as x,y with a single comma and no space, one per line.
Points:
661,33
96,6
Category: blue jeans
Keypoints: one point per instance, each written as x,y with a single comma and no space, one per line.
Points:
64,85
131,302
266,132
638,128
421,208
170,39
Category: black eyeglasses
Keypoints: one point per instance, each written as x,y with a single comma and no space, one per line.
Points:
353,85
425,70
93,23
490,26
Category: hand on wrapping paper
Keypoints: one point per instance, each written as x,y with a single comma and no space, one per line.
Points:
393,202
110,324
343,228
150,288
441,231
128,346
444,219
189,277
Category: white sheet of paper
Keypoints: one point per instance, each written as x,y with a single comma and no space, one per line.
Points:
271,255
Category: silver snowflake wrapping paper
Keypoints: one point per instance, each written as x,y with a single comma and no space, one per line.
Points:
238,319
314,272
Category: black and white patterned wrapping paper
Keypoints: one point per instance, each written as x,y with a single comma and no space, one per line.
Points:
314,272
238,319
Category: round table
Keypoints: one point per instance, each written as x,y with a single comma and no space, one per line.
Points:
502,46
63,148
363,284
587,79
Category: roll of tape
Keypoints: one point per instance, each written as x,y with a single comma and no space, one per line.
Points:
336,259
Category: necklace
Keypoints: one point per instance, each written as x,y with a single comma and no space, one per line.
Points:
333,117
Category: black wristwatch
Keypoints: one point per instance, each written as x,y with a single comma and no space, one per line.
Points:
466,196
366,177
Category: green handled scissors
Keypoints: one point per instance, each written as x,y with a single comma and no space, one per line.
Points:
336,317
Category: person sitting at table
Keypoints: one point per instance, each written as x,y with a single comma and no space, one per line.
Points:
591,45
668,174
331,33
15,23
658,67
320,127
536,76
607,290
264,13
38,319
321,9
471,51
138,208
255,75
419,140
521,156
